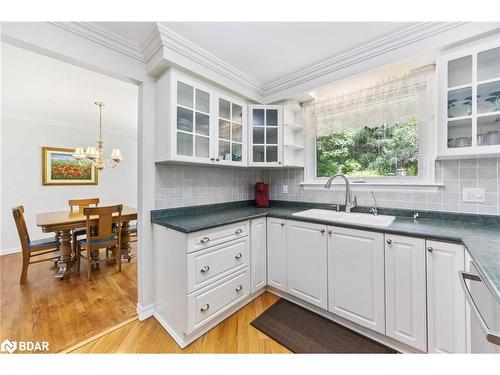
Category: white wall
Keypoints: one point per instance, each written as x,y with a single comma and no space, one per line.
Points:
21,173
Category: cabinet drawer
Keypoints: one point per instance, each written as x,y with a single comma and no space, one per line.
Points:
214,236
209,265
207,304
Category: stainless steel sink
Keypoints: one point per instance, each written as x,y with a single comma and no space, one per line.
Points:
347,217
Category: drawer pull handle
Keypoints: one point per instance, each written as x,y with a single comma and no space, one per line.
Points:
205,307
389,241
322,231
238,256
430,249
205,269
238,231
205,240
239,288
282,224
329,231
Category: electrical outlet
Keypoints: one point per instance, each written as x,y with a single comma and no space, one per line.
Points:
285,189
473,195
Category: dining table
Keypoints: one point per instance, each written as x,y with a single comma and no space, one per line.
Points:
62,223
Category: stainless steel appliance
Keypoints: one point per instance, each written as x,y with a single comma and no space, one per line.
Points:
485,313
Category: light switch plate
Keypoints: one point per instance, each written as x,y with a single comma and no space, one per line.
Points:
285,189
473,195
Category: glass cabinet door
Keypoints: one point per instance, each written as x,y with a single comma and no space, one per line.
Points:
460,102
231,127
265,147
473,99
192,121
488,97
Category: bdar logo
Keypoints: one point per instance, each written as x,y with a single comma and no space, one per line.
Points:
8,346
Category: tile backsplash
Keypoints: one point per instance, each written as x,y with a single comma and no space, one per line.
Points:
179,185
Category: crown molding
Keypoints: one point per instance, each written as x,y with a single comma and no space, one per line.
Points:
164,47
97,34
173,41
399,39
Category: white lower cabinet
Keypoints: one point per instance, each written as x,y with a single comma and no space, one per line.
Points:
405,290
445,298
276,253
306,262
258,256
206,304
356,276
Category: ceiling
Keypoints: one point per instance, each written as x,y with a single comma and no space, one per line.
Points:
48,89
268,51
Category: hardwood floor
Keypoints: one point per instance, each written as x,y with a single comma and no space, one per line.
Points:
69,314
64,312
233,335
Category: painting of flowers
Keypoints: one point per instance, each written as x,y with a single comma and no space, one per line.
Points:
61,168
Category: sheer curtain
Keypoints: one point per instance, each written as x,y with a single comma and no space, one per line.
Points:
393,100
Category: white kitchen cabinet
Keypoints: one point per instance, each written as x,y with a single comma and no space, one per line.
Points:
196,123
276,253
306,262
405,290
258,254
231,131
265,135
445,298
356,276
469,100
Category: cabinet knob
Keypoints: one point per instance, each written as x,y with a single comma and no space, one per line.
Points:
238,256
430,249
279,162
389,241
322,231
282,224
205,240
205,269
205,307
329,231
238,231
217,159
212,159
239,288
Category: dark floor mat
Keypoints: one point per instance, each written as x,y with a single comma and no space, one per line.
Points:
303,331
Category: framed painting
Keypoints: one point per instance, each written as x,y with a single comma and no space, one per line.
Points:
59,167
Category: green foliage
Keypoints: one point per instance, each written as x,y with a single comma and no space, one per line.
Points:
377,151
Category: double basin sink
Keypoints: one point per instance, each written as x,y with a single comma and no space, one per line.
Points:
347,217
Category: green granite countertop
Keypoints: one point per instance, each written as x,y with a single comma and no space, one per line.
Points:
479,234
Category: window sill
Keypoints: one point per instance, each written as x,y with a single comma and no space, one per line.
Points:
377,186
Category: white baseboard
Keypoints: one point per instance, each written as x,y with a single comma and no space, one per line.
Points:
145,312
12,250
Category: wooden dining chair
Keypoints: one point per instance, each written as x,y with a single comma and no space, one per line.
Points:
104,236
35,248
77,205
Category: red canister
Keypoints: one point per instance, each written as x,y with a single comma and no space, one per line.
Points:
261,194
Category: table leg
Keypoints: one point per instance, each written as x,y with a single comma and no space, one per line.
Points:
65,264
126,249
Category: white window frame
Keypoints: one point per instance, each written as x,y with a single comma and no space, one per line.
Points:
427,130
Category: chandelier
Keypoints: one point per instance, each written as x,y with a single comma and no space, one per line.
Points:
96,154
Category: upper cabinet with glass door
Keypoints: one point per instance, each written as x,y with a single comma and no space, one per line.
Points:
231,139
195,123
469,101
265,134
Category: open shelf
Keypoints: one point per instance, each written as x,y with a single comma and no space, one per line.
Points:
294,127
